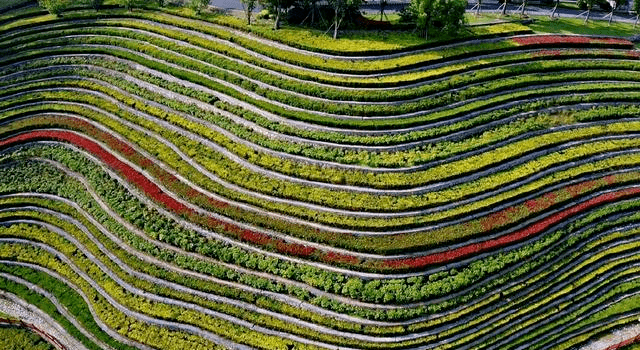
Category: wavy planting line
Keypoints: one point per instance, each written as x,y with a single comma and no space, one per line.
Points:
191,193
324,114
175,294
153,190
267,241
170,94
516,236
243,71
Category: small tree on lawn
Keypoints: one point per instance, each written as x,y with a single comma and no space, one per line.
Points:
636,9
55,7
340,10
555,8
589,7
198,5
446,16
524,6
249,6
277,7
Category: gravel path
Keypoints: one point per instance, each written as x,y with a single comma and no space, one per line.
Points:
117,305
13,306
60,308
616,337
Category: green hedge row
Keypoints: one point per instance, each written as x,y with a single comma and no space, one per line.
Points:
195,75
51,239
155,46
38,235
402,203
402,292
164,153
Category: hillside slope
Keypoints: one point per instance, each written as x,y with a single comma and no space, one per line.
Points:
169,183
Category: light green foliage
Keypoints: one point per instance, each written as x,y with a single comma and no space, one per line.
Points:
128,4
55,7
198,5
15,338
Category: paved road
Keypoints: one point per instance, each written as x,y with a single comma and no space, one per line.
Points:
372,6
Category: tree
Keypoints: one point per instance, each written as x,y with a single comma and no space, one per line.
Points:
589,7
524,6
55,7
446,16
555,8
249,6
96,4
198,5
128,4
383,5
277,7
340,10
636,9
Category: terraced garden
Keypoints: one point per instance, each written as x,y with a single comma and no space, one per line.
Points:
173,183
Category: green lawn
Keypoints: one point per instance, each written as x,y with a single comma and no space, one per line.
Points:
543,24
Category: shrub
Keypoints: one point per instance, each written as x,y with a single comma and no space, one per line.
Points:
55,7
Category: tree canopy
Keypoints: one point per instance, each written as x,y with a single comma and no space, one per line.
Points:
443,15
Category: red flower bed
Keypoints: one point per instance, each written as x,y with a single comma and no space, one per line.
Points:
498,219
131,174
546,40
294,249
159,196
541,203
557,53
536,228
333,257
486,224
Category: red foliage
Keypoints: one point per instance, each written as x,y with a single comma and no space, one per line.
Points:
294,249
536,40
541,203
256,237
578,189
333,257
536,228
